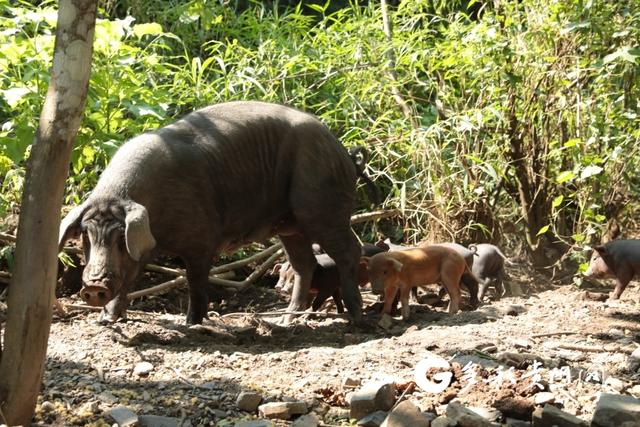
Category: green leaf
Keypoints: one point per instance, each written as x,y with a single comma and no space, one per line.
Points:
543,230
150,28
557,201
565,176
624,53
590,170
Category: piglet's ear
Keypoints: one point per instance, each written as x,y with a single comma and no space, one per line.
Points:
137,231
365,260
395,264
70,225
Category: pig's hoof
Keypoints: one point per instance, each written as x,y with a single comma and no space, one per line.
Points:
108,318
385,322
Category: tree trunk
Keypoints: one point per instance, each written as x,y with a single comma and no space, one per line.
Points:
33,283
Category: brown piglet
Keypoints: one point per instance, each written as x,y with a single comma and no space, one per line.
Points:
390,272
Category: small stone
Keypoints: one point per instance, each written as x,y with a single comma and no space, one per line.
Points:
377,395
107,398
90,407
634,391
543,397
405,414
282,410
487,413
515,407
254,423
374,419
614,410
47,406
336,413
633,362
350,382
158,421
572,356
146,396
308,420
615,384
124,416
522,343
465,417
248,401
512,310
143,369
219,413
512,422
550,415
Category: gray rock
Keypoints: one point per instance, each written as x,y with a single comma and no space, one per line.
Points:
405,414
248,401
463,359
374,396
107,398
143,369
282,410
615,384
633,363
123,416
308,420
613,410
336,413
512,422
550,416
442,421
254,423
543,398
374,419
487,413
350,382
47,406
158,421
465,417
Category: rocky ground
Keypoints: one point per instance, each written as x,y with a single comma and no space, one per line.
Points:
555,345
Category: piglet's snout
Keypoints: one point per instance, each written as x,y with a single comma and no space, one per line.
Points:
96,295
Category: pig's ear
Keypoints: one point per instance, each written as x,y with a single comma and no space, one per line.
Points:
276,268
137,231
364,260
70,225
397,265
600,249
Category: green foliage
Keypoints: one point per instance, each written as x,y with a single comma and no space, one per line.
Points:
559,79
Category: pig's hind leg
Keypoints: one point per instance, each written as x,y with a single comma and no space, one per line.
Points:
303,262
623,277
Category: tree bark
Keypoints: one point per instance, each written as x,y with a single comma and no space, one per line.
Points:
32,286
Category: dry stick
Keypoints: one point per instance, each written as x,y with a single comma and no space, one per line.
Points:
550,334
163,287
279,313
594,349
368,216
249,260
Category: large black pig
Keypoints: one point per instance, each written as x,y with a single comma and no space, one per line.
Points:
220,177
619,259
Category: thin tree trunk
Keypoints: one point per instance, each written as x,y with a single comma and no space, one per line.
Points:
32,287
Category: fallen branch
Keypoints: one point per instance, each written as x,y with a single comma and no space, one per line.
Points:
241,263
550,334
595,349
240,286
158,289
280,313
368,216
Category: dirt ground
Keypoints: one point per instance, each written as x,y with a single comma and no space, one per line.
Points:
194,373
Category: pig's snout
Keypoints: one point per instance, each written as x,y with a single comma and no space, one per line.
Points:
96,295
